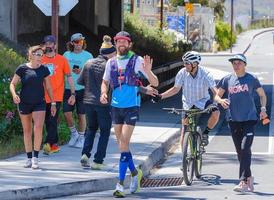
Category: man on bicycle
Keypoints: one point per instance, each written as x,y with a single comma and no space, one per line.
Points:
195,82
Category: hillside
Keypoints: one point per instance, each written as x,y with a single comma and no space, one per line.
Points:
262,8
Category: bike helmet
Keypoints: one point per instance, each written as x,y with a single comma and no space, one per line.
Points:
192,56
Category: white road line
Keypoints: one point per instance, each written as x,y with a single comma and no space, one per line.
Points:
234,153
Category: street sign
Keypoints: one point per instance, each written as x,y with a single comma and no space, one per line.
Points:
64,6
189,8
176,23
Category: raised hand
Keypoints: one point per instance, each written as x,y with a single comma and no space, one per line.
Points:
147,65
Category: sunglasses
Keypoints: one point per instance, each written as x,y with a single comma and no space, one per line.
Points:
187,63
38,54
78,41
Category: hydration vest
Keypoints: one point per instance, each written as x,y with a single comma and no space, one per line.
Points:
117,79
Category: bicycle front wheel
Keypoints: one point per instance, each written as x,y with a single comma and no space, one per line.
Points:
188,158
199,157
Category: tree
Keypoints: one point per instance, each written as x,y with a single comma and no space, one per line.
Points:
219,8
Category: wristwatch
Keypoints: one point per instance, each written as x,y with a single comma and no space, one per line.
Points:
263,109
53,103
73,94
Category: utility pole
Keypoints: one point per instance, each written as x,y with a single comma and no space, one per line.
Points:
55,20
252,10
131,6
231,23
161,14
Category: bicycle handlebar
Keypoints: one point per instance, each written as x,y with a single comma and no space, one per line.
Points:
194,111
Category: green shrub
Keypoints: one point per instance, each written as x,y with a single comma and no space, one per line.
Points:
10,124
152,41
239,28
223,35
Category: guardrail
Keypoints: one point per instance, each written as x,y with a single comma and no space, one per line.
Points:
166,75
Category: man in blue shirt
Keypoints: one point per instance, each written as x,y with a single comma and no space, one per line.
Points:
77,56
123,74
242,115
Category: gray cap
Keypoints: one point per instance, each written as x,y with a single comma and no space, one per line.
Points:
77,36
238,56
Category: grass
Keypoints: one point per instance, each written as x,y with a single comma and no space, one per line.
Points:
15,144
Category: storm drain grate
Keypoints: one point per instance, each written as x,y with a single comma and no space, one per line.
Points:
161,182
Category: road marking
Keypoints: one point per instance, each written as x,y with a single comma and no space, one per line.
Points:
234,153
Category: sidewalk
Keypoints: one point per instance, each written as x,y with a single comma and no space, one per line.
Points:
61,173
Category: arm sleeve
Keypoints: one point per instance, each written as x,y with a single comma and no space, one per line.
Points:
19,71
223,83
257,83
106,76
179,79
66,67
210,80
46,71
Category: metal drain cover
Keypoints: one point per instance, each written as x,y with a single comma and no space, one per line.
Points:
161,182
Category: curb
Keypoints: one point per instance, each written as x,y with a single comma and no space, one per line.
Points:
93,185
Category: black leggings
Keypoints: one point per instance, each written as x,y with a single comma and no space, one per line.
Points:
242,135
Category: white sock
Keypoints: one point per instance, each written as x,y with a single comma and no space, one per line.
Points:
81,133
73,130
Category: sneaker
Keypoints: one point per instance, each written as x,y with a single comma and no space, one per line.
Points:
96,166
73,139
34,163
47,148
80,142
205,139
54,148
135,182
250,183
85,161
241,187
119,191
28,163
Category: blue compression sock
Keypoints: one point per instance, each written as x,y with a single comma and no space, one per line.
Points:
123,166
131,165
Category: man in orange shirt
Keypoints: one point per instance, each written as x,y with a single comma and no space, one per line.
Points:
59,68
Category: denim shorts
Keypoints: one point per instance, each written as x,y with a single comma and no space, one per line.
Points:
127,116
80,108
26,109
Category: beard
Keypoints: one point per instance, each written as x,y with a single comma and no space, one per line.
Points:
122,50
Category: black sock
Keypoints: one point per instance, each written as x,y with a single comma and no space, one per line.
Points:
207,130
29,154
36,153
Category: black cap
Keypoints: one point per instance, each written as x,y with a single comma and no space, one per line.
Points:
49,38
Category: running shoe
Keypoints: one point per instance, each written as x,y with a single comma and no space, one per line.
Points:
135,182
119,191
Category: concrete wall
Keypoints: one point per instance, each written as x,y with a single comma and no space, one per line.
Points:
30,18
83,13
5,19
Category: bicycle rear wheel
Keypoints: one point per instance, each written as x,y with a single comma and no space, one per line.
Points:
199,156
188,158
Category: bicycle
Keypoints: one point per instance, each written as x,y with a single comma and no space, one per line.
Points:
192,149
